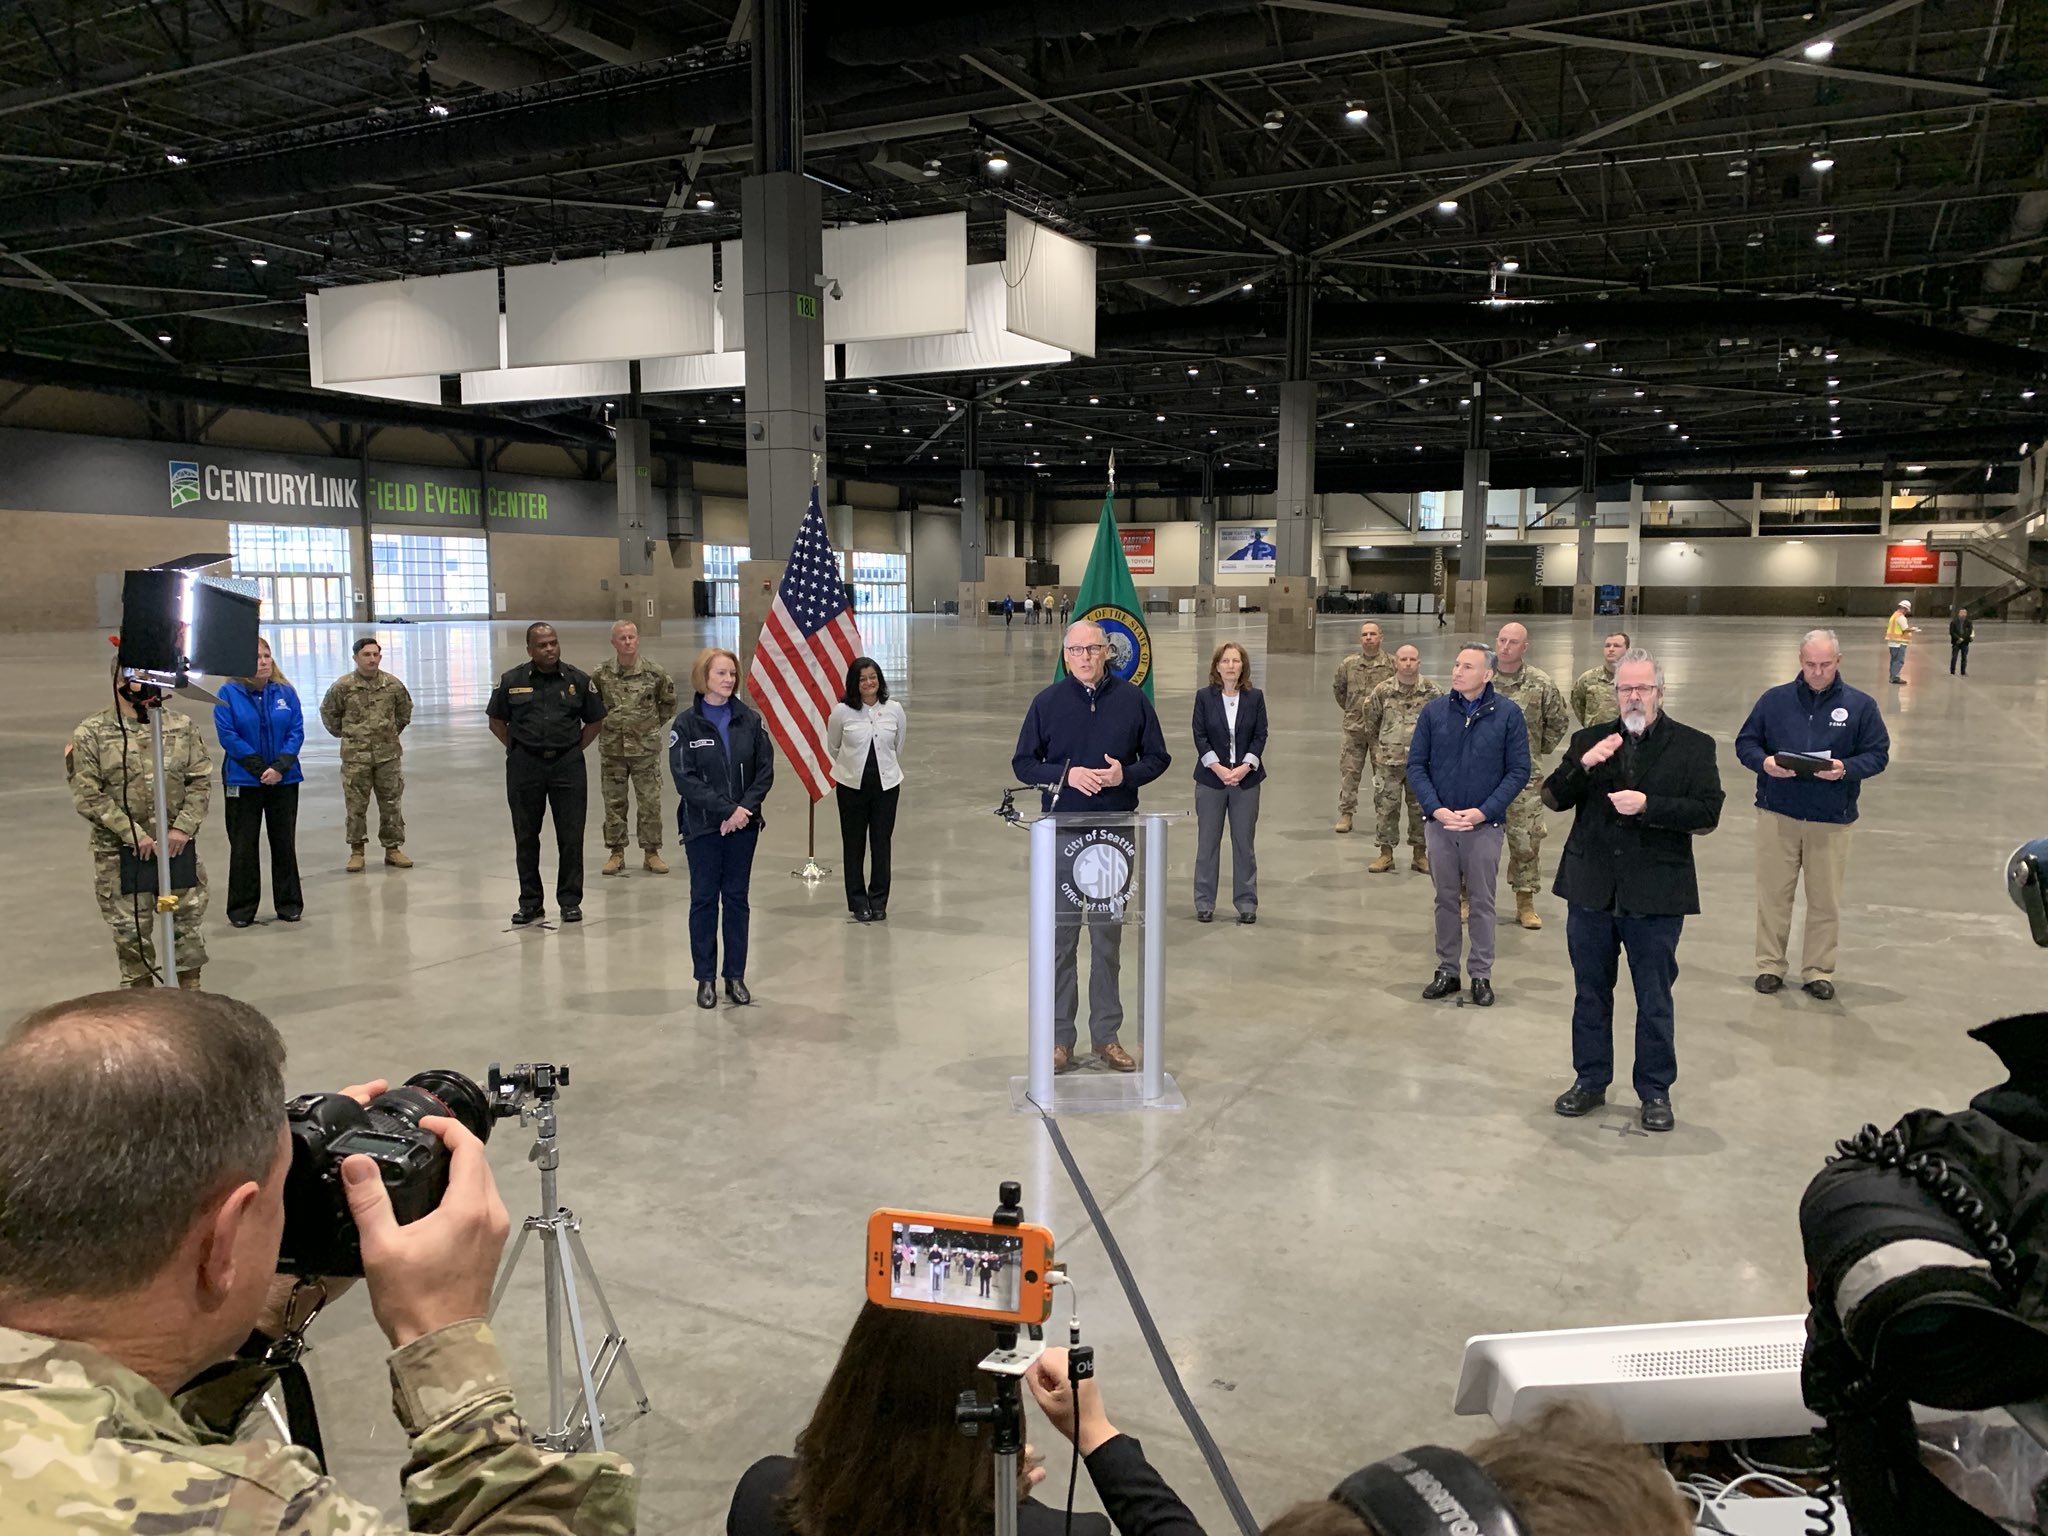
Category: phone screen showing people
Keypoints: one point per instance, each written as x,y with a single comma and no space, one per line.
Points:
980,1270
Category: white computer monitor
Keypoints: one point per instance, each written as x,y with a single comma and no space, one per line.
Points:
1726,1379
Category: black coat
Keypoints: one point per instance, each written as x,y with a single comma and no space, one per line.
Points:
1212,733
1639,864
710,783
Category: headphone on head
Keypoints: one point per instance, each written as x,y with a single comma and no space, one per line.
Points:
1429,1491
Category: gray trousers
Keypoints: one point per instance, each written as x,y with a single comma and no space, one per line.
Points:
1105,995
1464,862
1239,804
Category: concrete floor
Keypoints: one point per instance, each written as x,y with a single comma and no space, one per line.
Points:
1360,1181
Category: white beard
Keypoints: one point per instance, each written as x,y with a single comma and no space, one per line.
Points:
1635,721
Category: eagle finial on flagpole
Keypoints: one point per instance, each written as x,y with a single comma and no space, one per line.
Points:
1112,469
817,469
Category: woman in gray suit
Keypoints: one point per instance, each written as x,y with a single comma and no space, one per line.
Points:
1230,740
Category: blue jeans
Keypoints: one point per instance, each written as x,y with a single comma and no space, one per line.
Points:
1898,662
720,867
1595,941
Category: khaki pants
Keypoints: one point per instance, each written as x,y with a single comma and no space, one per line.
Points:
1786,849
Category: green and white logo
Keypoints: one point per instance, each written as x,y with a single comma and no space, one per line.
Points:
184,482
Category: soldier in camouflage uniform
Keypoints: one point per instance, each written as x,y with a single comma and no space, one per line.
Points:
1543,707
121,1385
113,785
368,709
1357,676
639,700
1593,698
1390,715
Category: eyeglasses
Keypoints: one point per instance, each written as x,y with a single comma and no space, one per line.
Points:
1086,650
1637,688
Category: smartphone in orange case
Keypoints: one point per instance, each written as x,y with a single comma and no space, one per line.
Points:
963,1266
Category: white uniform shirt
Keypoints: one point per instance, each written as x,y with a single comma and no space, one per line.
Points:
849,733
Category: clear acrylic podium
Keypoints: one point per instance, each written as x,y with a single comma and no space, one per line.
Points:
1091,868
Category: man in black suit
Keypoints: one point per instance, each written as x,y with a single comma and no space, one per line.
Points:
1644,786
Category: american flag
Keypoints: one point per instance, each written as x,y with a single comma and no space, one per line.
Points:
808,641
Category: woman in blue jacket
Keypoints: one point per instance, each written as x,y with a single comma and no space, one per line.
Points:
723,763
261,729
1230,743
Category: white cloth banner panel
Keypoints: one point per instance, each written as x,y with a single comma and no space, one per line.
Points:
906,278
732,300
716,370
983,345
417,325
420,389
609,308
570,381
1052,286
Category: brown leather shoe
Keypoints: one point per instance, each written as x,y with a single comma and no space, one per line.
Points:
653,863
1116,1057
1062,1058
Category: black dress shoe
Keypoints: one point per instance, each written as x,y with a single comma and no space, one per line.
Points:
521,918
879,907
572,914
1657,1115
1445,983
1767,983
289,917
1482,992
707,994
1821,988
860,909
1247,918
240,922
1205,917
737,991
1579,1100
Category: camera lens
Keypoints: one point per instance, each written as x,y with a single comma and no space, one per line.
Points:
439,1092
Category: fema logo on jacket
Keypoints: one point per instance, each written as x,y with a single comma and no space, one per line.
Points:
1130,648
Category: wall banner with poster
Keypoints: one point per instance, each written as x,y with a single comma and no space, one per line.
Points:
1911,565
1140,549
1245,550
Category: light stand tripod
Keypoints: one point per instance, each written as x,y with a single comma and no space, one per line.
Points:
1007,1364
528,1091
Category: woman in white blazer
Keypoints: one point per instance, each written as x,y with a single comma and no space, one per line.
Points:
865,737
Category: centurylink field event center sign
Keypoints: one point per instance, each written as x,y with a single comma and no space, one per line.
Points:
68,472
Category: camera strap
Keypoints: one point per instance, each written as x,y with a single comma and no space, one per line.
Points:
286,1353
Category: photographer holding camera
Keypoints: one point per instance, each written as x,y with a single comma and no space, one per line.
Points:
143,1164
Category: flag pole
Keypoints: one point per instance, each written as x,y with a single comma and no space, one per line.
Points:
813,871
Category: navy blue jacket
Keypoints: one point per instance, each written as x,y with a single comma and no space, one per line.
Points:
259,731
1212,734
711,781
1843,722
1457,762
1069,726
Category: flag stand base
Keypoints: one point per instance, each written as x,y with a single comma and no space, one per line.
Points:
812,871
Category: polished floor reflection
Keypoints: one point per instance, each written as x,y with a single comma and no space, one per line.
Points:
1360,1180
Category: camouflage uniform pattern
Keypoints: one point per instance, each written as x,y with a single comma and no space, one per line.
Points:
1544,708
1593,696
103,779
88,1448
639,707
1390,716
368,714
1357,676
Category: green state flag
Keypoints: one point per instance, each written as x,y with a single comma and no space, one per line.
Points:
1109,597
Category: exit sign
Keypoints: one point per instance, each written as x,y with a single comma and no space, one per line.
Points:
807,306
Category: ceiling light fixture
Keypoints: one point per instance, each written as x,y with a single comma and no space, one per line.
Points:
2026,394
1916,469
164,337
706,202
1355,113
1798,474
436,108
1754,239
1823,158
1737,169
1447,206
1143,235
174,157
1834,357
997,162
1825,235
1159,418
1819,49
259,261
932,168
1275,120
1509,264
1247,287
464,232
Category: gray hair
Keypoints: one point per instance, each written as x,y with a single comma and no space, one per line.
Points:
1636,655
1100,633
1492,657
1814,636
123,1115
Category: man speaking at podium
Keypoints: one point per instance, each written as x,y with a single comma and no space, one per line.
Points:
1090,742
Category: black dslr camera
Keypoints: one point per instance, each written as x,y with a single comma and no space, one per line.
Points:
319,1229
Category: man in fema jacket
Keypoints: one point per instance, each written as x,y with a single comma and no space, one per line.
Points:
1090,742
1468,759
1805,813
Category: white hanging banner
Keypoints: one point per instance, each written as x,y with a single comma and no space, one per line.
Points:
420,389
716,370
906,278
609,308
408,328
732,297
984,345
567,381
1051,281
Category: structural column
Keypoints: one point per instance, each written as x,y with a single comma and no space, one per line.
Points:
781,225
1205,558
1291,601
973,523
1632,567
1471,604
1587,516
637,597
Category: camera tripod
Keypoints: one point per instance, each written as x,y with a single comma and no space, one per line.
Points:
529,1091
